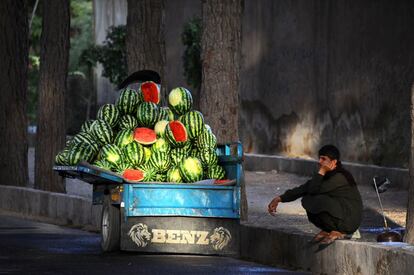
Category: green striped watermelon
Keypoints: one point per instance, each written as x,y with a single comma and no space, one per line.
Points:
147,114
178,155
134,153
206,140
164,113
161,145
215,172
122,166
148,153
159,128
102,131
109,113
150,92
128,101
84,137
173,175
160,161
180,101
127,122
111,153
103,164
62,157
123,138
191,169
160,177
194,123
208,157
149,172
80,151
176,134
86,126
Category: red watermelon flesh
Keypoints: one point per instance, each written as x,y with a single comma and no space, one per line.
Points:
151,92
179,131
133,175
145,135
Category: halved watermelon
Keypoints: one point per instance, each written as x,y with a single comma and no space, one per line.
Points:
133,175
151,92
145,136
176,133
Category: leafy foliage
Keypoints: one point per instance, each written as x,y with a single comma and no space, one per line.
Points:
112,55
191,38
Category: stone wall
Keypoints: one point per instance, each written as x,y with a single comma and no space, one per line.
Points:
319,72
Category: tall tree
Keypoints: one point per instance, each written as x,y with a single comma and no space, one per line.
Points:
220,55
145,41
13,89
54,58
409,235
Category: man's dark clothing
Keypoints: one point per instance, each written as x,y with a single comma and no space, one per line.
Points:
332,202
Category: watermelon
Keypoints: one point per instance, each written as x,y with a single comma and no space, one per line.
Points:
159,128
208,157
177,155
86,126
102,131
191,169
80,151
164,113
103,164
127,122
62,157
160,177
176,133
109,113
111,153
84,137
149,172
147,114
160,161
134,153
194,123
147,154
161,145
180,101
150,92
123,138
173,175
215,172
206,140
145,136
135,175
122,166
128,101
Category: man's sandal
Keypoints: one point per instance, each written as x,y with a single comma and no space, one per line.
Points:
331,237
319,237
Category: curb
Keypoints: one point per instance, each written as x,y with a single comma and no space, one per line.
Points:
363,174
56,208
293,251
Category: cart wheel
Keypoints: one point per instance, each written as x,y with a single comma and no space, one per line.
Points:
110,227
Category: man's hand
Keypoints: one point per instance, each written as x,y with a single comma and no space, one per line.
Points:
326,165
271,208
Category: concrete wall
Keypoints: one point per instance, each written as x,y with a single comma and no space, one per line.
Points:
314,72
319,72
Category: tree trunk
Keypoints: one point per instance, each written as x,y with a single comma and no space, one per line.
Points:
220,55
13,89
54,57
409,233
145,42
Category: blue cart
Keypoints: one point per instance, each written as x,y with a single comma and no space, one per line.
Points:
200,218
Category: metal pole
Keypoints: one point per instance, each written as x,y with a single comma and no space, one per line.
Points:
379,199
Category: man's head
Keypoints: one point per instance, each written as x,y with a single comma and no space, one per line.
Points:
329,156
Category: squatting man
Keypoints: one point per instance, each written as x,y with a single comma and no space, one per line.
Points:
331,198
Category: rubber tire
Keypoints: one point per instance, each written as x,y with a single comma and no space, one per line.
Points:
110,227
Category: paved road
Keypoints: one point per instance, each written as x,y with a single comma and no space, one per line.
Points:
36,248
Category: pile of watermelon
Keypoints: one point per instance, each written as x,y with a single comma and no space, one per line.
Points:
143,141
